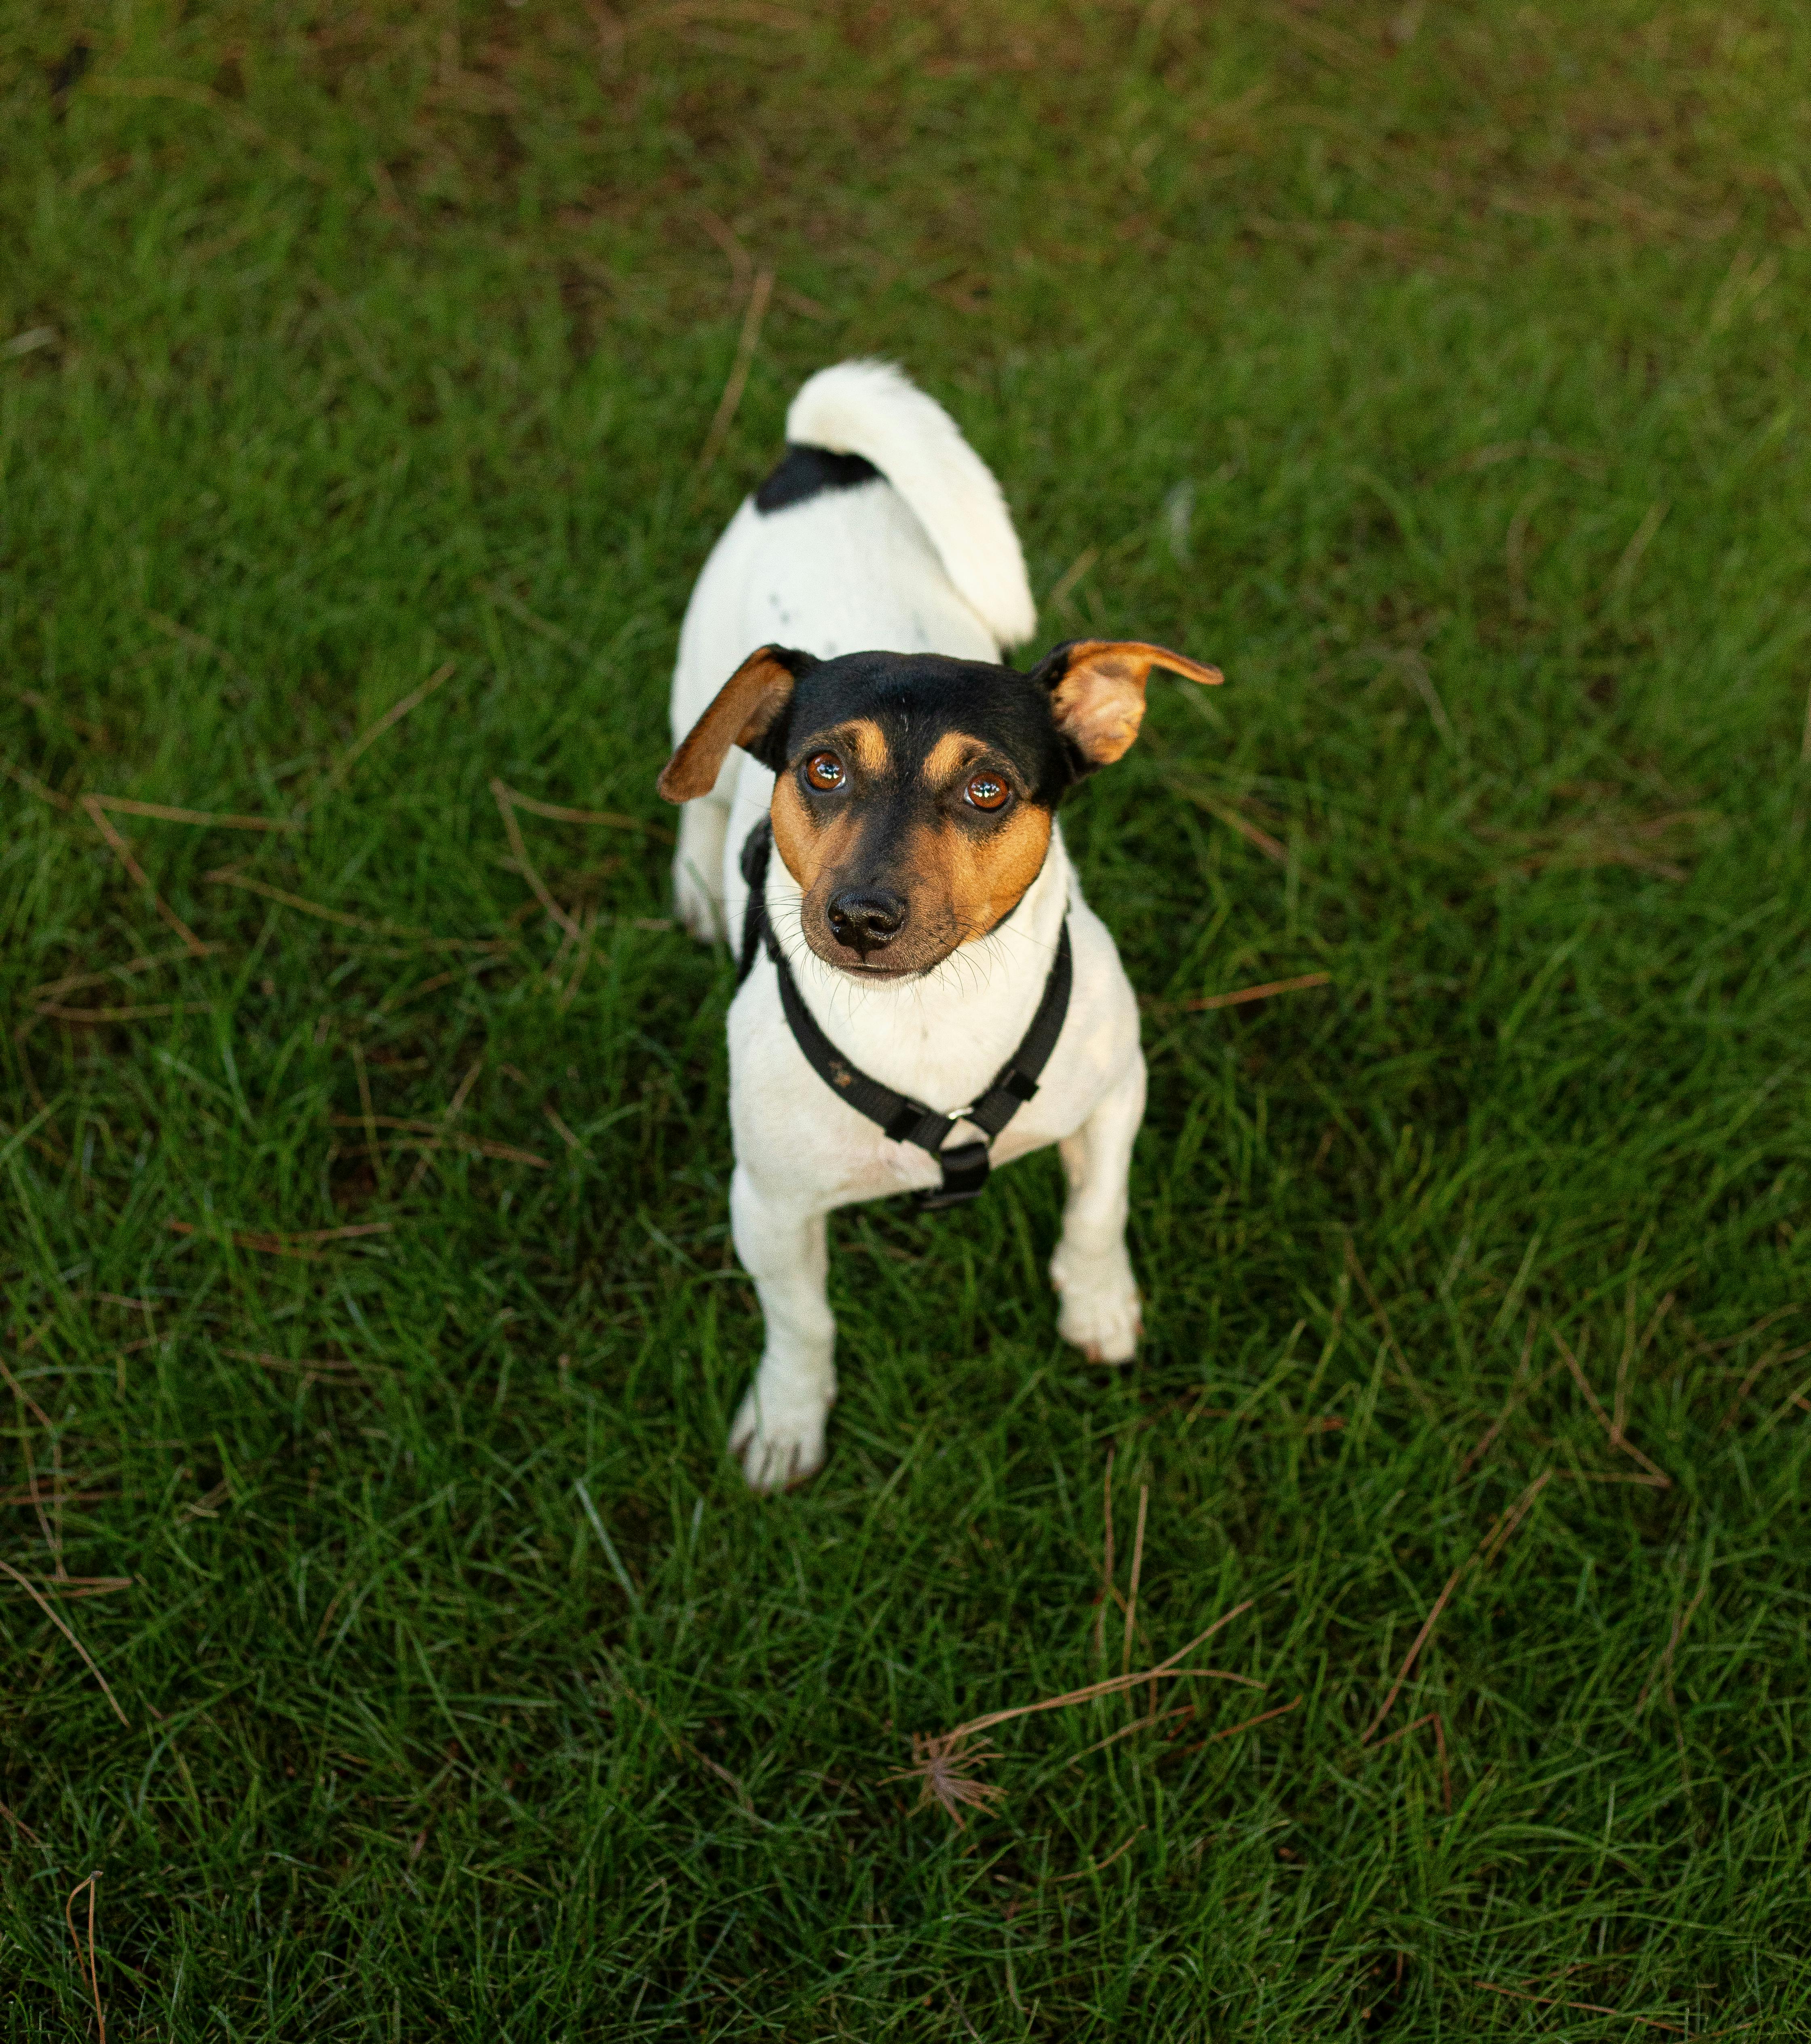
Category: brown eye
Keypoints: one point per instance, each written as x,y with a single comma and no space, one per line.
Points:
824,770
987,791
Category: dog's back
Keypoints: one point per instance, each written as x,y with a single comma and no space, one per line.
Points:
881,529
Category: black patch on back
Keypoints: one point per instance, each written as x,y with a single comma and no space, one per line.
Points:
806,471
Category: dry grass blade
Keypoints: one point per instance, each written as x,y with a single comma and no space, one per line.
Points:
228,876
27,1585
1300,984
1660,1479
455,1106
438,1134
943,1763
196,641
1395,1347
304,1246
94,1973
122,851
1591,2007
1663,1669
392,717
1223,812
759,293
307,1365
206,819
34,786
505,802
557,813
1770,1360
152,1011
75,982
1486,1552
1517,1393
1137,1569
19,1824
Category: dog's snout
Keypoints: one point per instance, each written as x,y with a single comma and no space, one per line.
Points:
866,918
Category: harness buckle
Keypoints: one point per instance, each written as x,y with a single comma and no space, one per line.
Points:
965,1170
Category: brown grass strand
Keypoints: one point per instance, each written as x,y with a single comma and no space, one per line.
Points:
1486,1552
227,876
1591,2007
391,717
122,851
307,1246
94,1972
19,1824
943,1764
1394,1347
759,292
505,802
1112,1685
1300,984
31,1590
438,1134
1612,1432
34,786
1137,1569
204,819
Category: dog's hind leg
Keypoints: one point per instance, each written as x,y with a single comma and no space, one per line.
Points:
778,1432
1090,1268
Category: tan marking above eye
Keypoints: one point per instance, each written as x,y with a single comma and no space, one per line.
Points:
953,752
865,739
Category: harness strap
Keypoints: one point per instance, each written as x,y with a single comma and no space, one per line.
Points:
964,1165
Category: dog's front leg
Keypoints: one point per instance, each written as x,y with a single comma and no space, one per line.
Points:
778,1432
1090,1270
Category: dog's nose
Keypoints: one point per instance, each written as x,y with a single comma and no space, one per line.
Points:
866,918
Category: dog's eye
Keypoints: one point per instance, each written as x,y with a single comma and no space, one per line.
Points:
824,770
987,791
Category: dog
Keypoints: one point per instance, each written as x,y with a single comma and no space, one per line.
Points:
925,994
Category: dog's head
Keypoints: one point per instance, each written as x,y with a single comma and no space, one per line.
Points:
914,795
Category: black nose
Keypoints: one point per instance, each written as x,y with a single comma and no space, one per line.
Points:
866,918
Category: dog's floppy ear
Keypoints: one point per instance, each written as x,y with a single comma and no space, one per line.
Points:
1096,692
749,709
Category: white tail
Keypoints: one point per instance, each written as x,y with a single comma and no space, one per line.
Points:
871,409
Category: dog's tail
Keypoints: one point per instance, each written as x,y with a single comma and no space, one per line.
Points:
871,409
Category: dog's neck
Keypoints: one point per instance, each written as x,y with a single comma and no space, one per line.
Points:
941,1035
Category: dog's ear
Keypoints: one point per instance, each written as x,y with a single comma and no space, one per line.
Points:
1097,693
749,710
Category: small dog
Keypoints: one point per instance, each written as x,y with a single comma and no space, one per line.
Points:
925,991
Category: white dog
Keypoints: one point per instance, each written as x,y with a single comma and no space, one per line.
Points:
925,990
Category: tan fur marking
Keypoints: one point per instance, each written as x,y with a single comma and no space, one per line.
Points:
947,758
810,849
867,741
982,880
741,710
1099,703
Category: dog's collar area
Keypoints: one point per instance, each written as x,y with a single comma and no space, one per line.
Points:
965,1166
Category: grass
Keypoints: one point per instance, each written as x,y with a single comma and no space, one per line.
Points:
1440,372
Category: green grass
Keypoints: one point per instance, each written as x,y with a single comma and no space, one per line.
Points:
1439,371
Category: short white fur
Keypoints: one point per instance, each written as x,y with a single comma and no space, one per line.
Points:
924,560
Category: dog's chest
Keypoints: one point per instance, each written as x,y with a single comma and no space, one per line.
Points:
941,1044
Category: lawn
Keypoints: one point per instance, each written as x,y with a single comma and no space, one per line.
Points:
383,1627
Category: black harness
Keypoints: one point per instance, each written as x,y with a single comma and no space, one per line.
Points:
965,1166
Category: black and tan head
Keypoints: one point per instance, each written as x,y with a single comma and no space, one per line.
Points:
914,795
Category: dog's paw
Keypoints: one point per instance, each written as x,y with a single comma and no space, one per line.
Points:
697,908
779,1442
1099,1311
